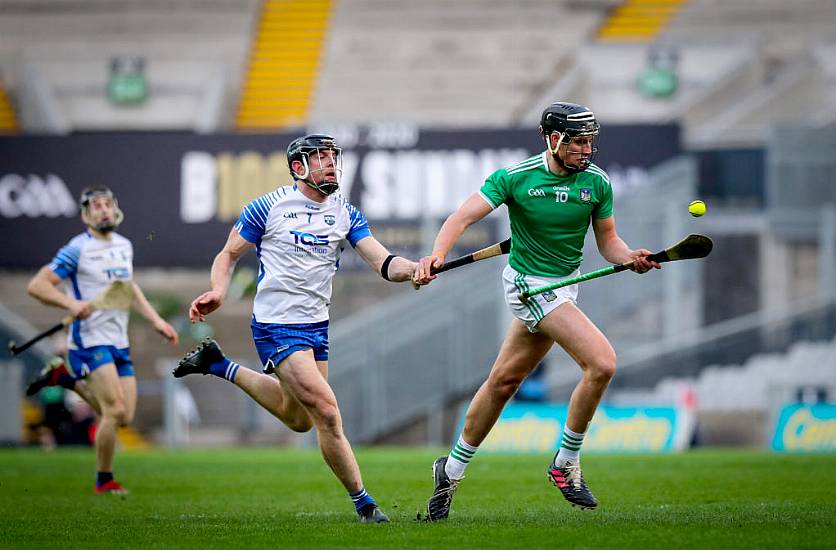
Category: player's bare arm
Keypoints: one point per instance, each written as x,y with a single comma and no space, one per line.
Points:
616,251
142,306
471,211
223,266
44,288
398,270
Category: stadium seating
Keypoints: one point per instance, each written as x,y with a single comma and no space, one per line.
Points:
758,384
61,50
479,63
8,118
437,63
483,74
605,76
638,20
775,21
284,63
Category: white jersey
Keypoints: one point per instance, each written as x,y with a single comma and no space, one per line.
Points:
88,266
298,242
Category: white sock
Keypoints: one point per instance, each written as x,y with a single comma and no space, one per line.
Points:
459,458
570,448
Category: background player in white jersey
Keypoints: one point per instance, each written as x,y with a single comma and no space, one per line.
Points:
298,233
552,198
97,340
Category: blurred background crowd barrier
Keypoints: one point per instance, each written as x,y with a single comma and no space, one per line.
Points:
184,108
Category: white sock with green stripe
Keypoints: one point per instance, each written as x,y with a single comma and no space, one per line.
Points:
570,447
459,458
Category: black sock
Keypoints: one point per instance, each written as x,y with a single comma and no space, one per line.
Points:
103,477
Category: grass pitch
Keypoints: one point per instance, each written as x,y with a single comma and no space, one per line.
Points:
284,499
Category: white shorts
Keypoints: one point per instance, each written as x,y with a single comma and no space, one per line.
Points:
537,307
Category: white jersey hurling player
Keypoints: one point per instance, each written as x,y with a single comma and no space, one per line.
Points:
298,242
88,266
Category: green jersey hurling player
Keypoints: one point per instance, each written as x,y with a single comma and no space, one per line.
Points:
552,198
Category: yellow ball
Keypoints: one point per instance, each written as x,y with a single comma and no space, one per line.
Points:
696,208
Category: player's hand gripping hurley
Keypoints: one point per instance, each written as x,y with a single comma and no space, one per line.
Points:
689,248
489,252
118,295
497,249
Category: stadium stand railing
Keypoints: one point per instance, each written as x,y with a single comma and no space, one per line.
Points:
745,122
15,327
803,155
783,357
731,342
431,354
12,411
14,371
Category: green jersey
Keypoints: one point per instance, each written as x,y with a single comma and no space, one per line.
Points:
550,214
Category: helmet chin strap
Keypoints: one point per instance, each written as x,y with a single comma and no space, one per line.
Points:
556,147
556,156
324,187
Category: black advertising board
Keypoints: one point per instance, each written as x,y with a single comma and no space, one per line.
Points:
181,192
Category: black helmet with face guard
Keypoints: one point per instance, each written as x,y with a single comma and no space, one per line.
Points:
301,149
570,120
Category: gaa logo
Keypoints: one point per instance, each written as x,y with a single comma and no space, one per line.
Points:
536,193
35,196
329,219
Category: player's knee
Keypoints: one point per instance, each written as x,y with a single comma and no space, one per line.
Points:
327,417
505,384
117,411
602,368
128,418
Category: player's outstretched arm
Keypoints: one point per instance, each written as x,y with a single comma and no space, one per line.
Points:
222,268
144,308
398,269
471,211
